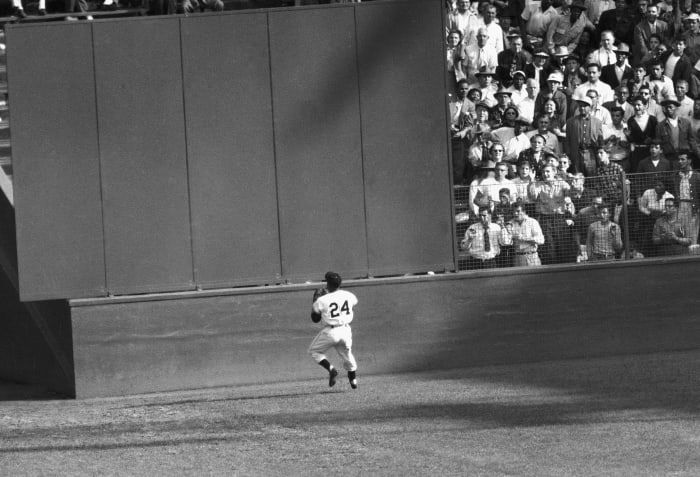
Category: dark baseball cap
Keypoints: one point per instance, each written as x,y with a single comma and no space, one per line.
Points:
333,278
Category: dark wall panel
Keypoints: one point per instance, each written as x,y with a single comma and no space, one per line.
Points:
55,162
142,148
230,149
406,163
317,141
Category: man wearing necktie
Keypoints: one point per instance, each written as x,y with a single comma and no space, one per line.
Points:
483,241
605,55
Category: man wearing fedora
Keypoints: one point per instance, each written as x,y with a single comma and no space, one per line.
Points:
538,68
497,114
676,134
619,73
485,84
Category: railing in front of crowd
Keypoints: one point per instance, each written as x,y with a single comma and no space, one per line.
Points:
577,220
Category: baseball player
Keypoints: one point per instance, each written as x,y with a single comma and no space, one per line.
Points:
334,306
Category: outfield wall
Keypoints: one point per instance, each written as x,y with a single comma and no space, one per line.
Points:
228,337
160,154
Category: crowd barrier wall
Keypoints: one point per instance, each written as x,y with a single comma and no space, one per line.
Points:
244,148
137,344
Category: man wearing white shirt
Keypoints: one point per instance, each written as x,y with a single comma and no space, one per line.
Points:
494,30
622,94
661,85
685,110
605,92
485,85
597,111
479,56
535,22
605,55
464,20
527,104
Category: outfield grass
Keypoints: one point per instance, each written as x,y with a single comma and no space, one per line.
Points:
628,416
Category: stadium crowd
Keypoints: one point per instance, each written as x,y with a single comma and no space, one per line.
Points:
575,129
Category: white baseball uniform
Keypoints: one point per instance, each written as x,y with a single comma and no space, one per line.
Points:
336,314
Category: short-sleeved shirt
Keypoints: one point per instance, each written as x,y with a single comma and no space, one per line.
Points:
336,307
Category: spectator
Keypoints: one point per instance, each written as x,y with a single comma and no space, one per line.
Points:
619,73
622,95
488,191
477,198
503,209
535,154
605,55
651,207
522,183
503,113
527,104
483,241
675,133
678,66
563,172
669,234
536,70
608,176
485,84
581,196
535,23
495,33
687,191
660,84
464,20
685,110
512,60
553,92
642,128
460,123
617,135
605,92
583,132
656,50
639,73
585,216
604,239
478,57
645,28
620,20
597,110
566,30
551,141
655,163
695,120
691,32
586,44
526,235
518,142
478,152
596,9
573,78
548,196
454,60
517,89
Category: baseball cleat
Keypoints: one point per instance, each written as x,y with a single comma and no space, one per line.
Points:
331,379
353,383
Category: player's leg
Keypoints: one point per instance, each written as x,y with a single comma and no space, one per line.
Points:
344,349
320,344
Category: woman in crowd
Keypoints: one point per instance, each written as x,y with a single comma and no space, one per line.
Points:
642,128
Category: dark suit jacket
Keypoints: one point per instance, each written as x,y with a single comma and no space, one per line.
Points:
683,69
530,73
686,138
506,59
609,76
694,189
646,166
640,45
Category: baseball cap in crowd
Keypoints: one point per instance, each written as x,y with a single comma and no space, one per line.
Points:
502,90
692,16
584,99
542,52
519,73
485,72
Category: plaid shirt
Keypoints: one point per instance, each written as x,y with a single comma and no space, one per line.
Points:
609,182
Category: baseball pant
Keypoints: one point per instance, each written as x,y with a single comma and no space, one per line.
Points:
339,338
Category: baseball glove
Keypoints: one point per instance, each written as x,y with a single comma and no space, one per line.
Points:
319,292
